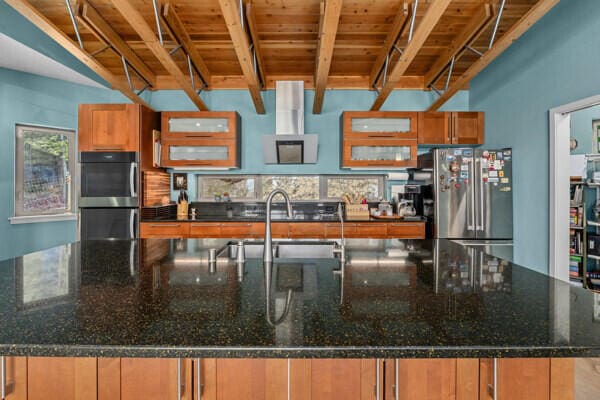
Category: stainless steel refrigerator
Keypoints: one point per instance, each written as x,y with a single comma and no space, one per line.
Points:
472,190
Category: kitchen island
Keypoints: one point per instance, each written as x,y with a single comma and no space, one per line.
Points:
394,308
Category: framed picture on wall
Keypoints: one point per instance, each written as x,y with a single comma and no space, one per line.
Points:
180,182
596,135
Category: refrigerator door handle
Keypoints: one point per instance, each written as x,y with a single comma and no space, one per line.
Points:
471,189
481,199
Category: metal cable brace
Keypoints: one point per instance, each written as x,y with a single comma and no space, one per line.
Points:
74,22
435,89
157,19
497,24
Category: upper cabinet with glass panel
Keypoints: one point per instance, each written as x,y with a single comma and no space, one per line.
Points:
201,139
199,124
380,124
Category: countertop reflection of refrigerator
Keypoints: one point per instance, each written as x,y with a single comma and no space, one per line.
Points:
472,190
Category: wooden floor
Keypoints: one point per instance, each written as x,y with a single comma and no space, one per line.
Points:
587,379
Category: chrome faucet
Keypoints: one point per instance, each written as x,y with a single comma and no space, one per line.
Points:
268,247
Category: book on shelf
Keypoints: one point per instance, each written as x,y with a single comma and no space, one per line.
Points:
576,195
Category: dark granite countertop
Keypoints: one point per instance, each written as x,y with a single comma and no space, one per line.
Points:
174,218
397,298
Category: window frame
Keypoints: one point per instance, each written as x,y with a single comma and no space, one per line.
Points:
323,182
19,215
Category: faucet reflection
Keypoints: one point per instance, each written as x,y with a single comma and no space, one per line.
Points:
268,247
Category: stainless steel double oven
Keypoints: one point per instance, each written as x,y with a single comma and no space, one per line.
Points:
109,201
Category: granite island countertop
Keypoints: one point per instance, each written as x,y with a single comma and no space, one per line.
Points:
396,298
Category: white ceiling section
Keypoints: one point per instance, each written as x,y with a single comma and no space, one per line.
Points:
17,56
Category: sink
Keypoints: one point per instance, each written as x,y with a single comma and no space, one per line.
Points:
284,249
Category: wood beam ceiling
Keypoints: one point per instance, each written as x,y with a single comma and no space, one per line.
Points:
170,17
432,16
138,23
88,16
24,8
327,33
253,31
531,17
477,23
400,23
231,14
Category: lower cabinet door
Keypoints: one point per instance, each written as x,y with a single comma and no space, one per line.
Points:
61,378
516,379
434,379
144,378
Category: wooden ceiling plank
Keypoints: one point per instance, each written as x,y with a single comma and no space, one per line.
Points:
525,22
89,17
478,22
398,26
327,34
139,24
430,19
253,30
170,17
231,14
24,8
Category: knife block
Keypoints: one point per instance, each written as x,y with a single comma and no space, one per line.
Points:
182,209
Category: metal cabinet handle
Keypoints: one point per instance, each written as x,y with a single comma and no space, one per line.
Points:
404,225
198,135
377,377
493,388
165,225
198,379
396,380
179,382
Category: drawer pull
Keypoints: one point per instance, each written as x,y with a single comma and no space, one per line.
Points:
405,225
165,225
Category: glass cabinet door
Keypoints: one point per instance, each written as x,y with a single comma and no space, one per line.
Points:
213,125
197,153
381,124
380,153
377,153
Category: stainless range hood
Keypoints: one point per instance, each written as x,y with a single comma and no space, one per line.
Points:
289,145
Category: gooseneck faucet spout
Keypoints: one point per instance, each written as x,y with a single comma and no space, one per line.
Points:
268,247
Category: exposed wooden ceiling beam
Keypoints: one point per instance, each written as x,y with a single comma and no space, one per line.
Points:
478,22
89,17
398,26
170,17
139,24
231,14
432,16
28,11
327,32
527,21
253,30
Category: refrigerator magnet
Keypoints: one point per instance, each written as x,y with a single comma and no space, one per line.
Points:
501,174
504,180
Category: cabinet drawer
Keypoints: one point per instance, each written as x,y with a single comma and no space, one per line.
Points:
164,229
380,125
370,230
334,230
307,230
199,125
200,152
205,230
238,229
406,230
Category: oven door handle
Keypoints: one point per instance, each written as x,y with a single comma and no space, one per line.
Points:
132,179
132,223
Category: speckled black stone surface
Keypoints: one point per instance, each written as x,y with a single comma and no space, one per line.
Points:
158,298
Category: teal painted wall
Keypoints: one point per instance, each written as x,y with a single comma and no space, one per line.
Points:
17,27
326,124
32,99
554,63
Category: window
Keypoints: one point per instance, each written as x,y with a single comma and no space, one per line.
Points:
44,169
299,187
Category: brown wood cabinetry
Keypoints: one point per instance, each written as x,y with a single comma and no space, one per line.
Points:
109,127
461,127
378,140
164,229
283,230
201,139
424,379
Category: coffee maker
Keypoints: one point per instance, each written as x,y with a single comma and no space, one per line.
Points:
416,194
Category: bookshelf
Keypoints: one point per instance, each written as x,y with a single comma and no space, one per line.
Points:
577,232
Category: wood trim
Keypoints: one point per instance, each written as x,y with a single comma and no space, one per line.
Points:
253,31
400,23
327,33
562,378
88,16
527,21
170,17
24,8
231,14
139,24
478,22
434,13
